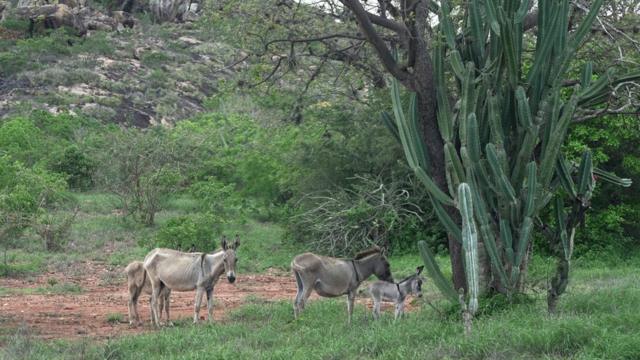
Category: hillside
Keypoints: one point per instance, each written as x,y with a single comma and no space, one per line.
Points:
146,75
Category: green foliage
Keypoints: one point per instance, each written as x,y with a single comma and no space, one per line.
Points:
234,161
21,138
36,52
15,24
25,194
198,232
141,167
77,165
15,59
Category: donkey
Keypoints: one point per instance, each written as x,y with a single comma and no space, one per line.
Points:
138,282
181,271
396,292
331,277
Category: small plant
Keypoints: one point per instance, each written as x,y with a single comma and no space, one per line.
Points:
52,281
114,318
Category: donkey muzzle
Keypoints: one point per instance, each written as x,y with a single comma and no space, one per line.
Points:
231,277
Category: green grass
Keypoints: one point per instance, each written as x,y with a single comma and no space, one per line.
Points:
22,263
598,316
51,289
262,247
595,321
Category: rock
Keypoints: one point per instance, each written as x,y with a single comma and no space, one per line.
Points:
189,40
3,6
170,10
50,17
124,18
190,16
79,18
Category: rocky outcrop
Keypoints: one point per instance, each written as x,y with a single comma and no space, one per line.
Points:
82,19
174,10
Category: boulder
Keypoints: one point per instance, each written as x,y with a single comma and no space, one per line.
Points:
174,10
81,19
51,17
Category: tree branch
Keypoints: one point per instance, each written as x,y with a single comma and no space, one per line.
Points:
377,42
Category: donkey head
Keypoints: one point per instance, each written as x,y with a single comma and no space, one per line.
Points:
416,282
229,258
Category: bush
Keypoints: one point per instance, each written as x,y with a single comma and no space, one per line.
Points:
23,140
141,167
193,232
345,221
78,167
25,195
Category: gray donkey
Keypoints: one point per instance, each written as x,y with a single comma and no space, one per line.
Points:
181,271
396,292
138,282
331,277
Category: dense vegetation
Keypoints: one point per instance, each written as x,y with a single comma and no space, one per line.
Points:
301,161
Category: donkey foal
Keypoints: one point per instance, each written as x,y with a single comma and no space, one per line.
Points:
138,282
396,292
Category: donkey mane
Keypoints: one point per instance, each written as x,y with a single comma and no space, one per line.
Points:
365,253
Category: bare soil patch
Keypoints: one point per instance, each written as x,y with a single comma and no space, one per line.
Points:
26,302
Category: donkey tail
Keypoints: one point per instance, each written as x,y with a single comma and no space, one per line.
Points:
295,266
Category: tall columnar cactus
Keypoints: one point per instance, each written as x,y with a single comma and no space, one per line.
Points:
502,136
469,244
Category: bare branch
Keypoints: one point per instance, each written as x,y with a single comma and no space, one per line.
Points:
378,43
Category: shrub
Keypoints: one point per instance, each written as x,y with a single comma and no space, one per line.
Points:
23,140
345,221
193,232
141,167
76,164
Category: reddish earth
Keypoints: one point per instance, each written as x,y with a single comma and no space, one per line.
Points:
104,296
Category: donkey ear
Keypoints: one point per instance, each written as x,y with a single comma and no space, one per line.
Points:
419,269
236,243
224,242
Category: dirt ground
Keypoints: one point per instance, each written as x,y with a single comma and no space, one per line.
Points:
104,297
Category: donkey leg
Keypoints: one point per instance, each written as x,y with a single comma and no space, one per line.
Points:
167,302
156,288
351,296
306,292
196,308
399,310
210,304
296,301
153,318
133,314
376,309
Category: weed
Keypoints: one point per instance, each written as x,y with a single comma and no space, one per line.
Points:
114,318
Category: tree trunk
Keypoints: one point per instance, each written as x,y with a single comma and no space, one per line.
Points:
424,86
435,148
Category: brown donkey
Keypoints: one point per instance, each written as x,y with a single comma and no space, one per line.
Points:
332,277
